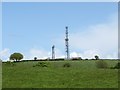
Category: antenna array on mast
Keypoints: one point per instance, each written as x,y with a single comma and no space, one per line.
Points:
53,52
67,44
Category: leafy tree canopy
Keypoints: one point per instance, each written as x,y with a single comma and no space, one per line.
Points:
96,57
16,56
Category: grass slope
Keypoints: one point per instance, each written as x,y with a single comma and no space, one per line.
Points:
0,74
81,74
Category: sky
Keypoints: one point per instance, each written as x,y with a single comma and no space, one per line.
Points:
60,0
31,28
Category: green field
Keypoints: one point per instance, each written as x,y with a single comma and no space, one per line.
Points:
81,74
0,74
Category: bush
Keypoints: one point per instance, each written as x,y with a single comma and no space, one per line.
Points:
117,66
66,65
101,64
10,63
77,58
86,59
41,64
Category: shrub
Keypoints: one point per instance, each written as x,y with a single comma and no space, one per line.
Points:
101,64
74,58
41,64
86,59
66,65
117,66
10,63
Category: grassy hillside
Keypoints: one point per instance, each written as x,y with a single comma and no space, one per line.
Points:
80,74
0,74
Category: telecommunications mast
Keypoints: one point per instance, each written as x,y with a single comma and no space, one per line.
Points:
67,44
53,52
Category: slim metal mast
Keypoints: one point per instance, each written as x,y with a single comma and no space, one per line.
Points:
67,44
53,52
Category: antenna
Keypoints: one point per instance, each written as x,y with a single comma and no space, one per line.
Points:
53,52
67,44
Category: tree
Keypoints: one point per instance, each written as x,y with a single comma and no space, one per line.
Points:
96,57
35,58
16,56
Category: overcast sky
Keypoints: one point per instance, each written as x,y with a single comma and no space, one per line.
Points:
32,29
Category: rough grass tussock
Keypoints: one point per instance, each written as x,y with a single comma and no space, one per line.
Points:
101,64
41,64
67,65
